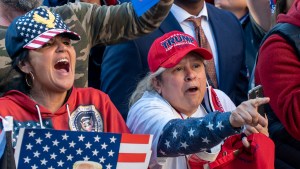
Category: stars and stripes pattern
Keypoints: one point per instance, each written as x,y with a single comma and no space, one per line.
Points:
39,26
192,135
54,149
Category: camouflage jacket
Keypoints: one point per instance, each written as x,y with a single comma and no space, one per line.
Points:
96,25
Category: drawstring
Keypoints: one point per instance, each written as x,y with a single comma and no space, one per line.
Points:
68,110
40,117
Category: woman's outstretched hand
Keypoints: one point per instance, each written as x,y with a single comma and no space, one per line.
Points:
246,114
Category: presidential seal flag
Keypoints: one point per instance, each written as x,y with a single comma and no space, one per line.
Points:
57,149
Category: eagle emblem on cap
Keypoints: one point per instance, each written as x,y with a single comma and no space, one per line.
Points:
48,22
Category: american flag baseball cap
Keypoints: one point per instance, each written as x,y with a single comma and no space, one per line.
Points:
168,50
34,29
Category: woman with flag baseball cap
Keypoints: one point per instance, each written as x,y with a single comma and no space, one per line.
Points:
40,46
175,104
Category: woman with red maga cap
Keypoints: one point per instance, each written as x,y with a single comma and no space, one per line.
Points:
40,46
174,103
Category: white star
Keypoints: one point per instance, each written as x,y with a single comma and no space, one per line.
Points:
31,134
95,152
34,167
79,151
81,137
48,135
88,145
47,122
53,156
111,153
108,166
55,143
28,146
205,140
86,158
102,159
26,160
51,167
175,134
69,157
167,143
97,138
219,125
63,150
162,152
60,163
38,141
103,146
184,145
210,126
113,139
191,132
46,148
65,136
72,144
44,162
36,154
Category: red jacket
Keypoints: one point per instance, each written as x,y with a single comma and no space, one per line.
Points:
86,109
278,70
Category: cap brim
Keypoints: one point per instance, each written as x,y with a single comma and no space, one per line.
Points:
43,38
175,59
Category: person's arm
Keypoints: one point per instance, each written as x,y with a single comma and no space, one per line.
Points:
113,24
194,135
199,134
277,71
260,12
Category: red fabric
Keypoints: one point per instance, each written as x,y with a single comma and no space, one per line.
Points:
293,15
110,2
260,154
23,109
278,70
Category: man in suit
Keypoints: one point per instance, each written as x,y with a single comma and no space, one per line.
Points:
125,64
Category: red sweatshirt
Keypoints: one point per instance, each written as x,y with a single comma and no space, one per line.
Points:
278,70
87,109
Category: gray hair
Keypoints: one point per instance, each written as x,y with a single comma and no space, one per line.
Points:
145,85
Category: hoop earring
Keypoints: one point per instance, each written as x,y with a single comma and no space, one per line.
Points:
31,77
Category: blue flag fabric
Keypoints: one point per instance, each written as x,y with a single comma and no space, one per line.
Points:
141,6
2,143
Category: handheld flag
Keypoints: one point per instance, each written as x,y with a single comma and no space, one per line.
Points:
46,148
141,6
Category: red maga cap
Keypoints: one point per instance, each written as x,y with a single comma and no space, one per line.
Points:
168,50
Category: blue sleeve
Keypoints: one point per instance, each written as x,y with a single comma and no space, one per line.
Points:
192,135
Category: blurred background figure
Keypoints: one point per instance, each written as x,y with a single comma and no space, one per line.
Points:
277,70
255,17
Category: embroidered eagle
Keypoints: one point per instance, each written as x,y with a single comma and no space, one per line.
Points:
48,22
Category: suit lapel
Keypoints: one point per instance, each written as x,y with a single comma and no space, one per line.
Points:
170,24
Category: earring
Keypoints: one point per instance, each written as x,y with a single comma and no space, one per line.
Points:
31,77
